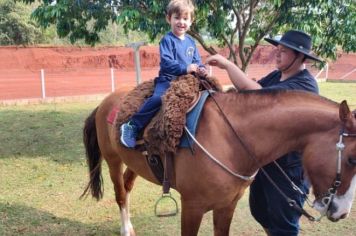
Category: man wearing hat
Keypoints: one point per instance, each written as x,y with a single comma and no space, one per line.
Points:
267,205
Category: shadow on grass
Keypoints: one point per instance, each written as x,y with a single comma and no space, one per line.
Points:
18,219
51,134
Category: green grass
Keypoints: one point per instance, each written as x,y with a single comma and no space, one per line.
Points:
43,172
339,92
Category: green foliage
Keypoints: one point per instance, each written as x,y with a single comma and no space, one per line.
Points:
16,26
228,22
76,19
331,23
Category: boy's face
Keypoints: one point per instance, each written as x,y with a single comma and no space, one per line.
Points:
179,23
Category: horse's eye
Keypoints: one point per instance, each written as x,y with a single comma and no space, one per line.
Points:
352,161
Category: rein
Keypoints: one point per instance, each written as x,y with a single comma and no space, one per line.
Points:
326,199
243,177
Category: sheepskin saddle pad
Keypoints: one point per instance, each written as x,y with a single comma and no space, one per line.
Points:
163,133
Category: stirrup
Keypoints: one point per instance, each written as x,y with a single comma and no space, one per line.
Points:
166,212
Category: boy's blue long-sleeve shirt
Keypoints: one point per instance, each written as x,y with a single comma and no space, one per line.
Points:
176,54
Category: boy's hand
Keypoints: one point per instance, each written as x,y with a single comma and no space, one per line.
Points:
192,68
202,72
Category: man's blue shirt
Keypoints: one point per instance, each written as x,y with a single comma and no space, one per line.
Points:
300,81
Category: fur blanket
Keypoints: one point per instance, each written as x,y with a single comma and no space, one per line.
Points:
132,102
163,133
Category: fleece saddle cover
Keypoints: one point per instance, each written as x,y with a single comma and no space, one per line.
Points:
163,133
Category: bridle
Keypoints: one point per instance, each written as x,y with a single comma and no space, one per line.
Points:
327,198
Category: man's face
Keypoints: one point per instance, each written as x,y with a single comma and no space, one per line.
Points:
284,57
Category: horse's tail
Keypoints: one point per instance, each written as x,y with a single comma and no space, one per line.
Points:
93,156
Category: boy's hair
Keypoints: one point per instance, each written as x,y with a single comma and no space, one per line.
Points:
180,7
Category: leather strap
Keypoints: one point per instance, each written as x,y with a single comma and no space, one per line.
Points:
168,172
156,166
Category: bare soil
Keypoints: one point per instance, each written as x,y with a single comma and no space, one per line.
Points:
71,71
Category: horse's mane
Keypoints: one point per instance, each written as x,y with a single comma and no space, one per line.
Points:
266,97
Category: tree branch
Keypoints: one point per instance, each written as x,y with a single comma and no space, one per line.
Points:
197,36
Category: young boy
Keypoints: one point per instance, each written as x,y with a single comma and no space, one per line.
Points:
178,56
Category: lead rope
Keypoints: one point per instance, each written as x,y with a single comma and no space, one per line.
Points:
294,186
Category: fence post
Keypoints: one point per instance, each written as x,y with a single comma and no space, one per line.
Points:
347,74
326,68
136,46
112,80
43,84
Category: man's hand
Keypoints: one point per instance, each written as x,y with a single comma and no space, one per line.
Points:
219,61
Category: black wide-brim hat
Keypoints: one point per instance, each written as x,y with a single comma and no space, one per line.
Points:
296,40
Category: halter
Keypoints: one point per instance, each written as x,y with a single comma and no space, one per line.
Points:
328,197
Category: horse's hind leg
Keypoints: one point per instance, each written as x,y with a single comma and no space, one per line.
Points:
222,219
121,194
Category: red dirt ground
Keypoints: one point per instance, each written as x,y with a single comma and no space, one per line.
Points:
72,71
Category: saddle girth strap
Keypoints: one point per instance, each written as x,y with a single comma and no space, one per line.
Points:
155,163
168,172
162,172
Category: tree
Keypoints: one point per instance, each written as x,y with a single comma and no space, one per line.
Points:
16,26
331,23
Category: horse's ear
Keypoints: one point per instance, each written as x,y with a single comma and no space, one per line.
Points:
344,111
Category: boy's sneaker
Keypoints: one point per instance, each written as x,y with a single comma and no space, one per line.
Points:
128,135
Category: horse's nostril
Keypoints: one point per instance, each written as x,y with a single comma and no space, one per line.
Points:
332,207
333,219
343,216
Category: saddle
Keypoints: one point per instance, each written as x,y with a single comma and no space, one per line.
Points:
161,137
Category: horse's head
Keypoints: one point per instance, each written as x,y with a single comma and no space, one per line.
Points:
331,166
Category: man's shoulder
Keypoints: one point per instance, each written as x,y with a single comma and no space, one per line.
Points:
304,80
276,74
303,76
306,74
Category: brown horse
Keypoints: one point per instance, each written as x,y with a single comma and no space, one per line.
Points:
269,124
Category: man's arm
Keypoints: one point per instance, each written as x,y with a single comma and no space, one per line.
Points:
237,76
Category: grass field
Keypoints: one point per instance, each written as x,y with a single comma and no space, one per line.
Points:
43,172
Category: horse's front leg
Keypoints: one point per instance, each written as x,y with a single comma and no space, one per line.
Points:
191,218
222,219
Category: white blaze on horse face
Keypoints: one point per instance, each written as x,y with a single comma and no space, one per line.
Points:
344,202
320,207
